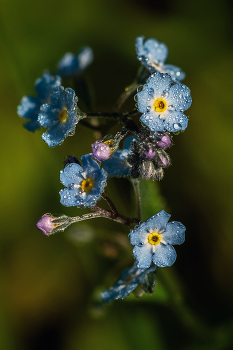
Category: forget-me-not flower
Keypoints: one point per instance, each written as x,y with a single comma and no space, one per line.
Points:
162,103
153,54
71,65
60,116
153,241
84,184
29,106
128,281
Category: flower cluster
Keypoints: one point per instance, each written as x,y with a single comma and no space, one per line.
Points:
134,153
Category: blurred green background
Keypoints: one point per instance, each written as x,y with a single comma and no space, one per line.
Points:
48,286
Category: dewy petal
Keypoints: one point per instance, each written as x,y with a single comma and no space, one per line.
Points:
158,221
89,164
139,234
153,121
45,84
71,174
179,97
48,116
174,233
156,52
175,72
159,82
164,255
176,121
143,256
28,106
139,46
68,197
70,98
58,97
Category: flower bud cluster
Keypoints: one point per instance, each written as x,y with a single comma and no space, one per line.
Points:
148,157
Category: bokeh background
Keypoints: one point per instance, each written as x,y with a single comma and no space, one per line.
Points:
49,287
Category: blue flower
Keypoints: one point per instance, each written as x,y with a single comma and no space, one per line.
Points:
61,116
128,281
84,184
153,54
118,165
162,102
71,65
153,241
29,106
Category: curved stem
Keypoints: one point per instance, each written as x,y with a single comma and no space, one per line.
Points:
123,97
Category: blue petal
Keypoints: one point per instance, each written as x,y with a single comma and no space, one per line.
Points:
176,121
68,65
156,52
117,165
89,164
158,222
85,57
153,121
72,174
68,197
127,142
128,281
175,72
58,98
138,235
164,255
48,116
45,84
29,107
143,255
179,97
55,135
174,233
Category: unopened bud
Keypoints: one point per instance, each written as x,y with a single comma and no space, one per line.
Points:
50,224
147,169
165,141
101,150
150,153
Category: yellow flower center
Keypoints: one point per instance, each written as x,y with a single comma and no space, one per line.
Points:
87,185
154,238
63,115
160,105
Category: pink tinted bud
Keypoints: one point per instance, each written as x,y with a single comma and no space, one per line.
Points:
164,161
45,224
101,151
150,153
164,142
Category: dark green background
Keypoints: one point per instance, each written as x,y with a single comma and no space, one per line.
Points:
47,285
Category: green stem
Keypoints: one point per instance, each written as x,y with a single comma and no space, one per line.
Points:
135,183
124,96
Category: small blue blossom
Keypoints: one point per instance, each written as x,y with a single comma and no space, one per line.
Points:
29,106
118,165
162,102
153,241
128,281
71,65
60,116
84,184
153,54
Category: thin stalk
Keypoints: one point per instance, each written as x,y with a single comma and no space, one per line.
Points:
135,183
124,96
110,203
